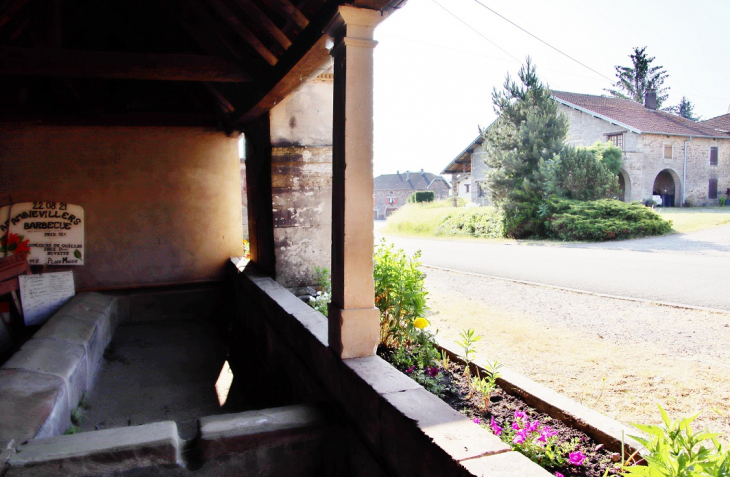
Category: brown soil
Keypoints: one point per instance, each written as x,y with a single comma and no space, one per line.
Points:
618,357
502,407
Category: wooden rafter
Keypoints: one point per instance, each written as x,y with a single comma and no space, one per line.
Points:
287,9
11,9
243,31
135,66
206,37
300,71
254,13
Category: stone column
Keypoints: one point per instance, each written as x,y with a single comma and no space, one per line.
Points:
354,322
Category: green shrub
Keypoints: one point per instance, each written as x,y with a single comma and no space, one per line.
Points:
420,196
485,222
460,202
601,220
400,294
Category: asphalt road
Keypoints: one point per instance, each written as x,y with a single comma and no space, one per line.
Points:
688,269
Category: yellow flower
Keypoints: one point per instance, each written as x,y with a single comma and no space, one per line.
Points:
420,323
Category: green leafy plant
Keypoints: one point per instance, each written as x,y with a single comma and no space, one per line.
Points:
468,338
722,200
675,450
486,385
323,287
400,294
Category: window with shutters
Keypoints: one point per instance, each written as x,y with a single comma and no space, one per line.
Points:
713,156
712,192
667,151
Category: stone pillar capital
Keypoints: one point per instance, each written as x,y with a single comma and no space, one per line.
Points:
355,23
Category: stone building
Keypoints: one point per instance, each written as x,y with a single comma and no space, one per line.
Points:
681,160
390,191
678,159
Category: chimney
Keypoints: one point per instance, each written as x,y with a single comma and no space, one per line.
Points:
650,99
408,175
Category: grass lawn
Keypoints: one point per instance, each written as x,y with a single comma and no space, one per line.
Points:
696,218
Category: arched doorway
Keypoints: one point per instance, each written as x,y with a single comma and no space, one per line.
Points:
668,186
624,186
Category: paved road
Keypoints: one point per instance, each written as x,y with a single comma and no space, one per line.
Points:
689,269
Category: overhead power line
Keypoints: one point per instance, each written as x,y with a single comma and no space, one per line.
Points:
543,41
476,31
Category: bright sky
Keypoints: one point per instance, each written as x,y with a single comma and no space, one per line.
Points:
434,75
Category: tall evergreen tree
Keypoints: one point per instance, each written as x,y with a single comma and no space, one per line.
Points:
685,109
634,81
528,130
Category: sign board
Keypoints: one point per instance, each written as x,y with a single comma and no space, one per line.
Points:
4,217
54,231
42,295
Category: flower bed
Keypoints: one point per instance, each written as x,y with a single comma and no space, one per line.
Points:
547,441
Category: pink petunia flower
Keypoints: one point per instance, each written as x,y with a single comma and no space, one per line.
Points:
576,458
495,428
558,474
410,370
515,425
520,415
519,438
532,427
476,420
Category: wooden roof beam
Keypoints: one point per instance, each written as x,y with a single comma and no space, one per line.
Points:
287,9
243,31
254,13
118,65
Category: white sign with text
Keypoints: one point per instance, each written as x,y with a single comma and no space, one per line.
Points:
42,295
54,231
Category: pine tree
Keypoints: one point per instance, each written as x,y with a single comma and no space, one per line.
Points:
685,109
528,130
634,81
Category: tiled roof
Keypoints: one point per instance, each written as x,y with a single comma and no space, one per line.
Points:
635,116
720,123
407,180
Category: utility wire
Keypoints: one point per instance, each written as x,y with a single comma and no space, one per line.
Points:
476,31
543,41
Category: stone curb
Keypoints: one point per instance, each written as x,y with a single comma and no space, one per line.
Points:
99,452
603,429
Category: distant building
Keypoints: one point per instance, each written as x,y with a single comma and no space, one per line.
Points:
390,191
663,154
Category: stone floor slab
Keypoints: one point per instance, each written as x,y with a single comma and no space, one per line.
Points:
508,464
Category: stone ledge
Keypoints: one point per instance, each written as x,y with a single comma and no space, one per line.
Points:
233,433
603,429
32,404
507,464
99,452
395,416
59,358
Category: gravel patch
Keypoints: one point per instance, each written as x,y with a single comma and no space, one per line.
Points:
617,356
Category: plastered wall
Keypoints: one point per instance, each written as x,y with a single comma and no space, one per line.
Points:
162,204
301,180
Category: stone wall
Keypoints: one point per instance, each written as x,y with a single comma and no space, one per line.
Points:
162,204
301,169
644,158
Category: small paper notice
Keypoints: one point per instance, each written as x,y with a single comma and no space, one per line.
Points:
42,295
